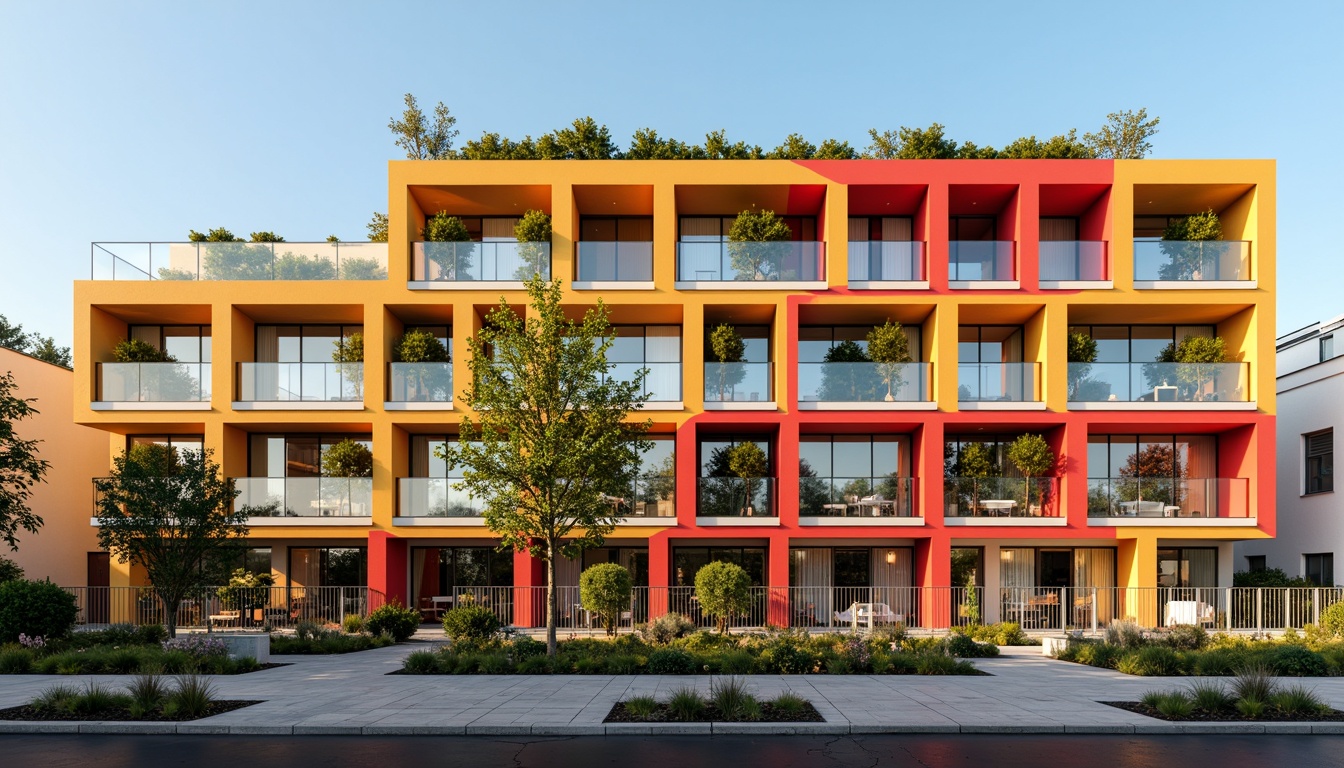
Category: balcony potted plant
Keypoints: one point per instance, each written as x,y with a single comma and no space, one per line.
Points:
1082,353
348,352
749,258
748,461
162,383
1197,359
137,351
423,347
973,465
1032,456
1185,261
728,348
533,232
453,261
346,459
889,347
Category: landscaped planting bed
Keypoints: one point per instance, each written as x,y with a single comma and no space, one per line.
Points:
672,646
730,701
1252,696
123,650
147,698
312,639
1189,650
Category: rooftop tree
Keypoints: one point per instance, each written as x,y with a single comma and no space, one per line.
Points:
422,139
550,439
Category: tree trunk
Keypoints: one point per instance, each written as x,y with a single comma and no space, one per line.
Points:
552,599
170,615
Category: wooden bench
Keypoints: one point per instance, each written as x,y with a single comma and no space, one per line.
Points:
224,617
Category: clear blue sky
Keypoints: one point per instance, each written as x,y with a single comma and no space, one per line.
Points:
141,120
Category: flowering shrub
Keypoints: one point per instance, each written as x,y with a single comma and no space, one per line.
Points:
33,642
855,650
197,646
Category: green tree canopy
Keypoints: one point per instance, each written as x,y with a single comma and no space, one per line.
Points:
169,512
347,458
377,227
33,344
605,589
889,347
550,439
1196,227
21,469
724,591
421,139
1124,136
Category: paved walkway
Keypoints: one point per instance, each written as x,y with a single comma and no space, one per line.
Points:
352,694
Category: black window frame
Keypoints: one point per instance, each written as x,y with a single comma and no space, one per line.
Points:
1318,464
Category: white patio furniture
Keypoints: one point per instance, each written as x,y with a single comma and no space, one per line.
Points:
998,507
1190,612
867,613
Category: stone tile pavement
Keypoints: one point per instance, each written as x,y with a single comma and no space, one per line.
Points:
353,694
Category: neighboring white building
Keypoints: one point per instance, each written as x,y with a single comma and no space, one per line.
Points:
1310,536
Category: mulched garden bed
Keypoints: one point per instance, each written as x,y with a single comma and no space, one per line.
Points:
119,714
1227,716
710,714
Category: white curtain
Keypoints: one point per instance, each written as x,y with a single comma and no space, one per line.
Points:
893,577
1203,565
1017,574
1093,567
811,590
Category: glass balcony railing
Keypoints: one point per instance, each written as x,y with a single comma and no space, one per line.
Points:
491,262
889,496
738,383
1159,382
300,382
886,260
655,495
305,496
239,261
983,260
1168,497
715,262
615,262
862,382
420,383
997,382
735,497
1001,496
436,497
662,382
1074,260
154,382
1192,261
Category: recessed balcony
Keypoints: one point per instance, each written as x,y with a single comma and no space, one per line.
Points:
736,501
1159,386
332,500
736,265
300,386
982,264
1069,263
1192,264
865,386
476,265
436,501
856,500
153,386
1169,501
419,386
890,265
998,386
618,265
739,386
1002,501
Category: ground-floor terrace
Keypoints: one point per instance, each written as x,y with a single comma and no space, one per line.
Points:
1044,584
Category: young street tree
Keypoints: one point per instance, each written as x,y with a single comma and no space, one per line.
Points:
421,140
169,512
549,445
20,467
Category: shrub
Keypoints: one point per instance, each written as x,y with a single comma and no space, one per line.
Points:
1125,634
197,646
1153,660
1254,682
471,623
1002,633
395,620
524,647
1332,621
685,704
702,642
1297,699
589,665
495,664
723,589
891,636
1218,661
623,664
1296,661
421,663
961,646
36,609
137,351
666,628
671,661
353,623
786,658
1175,705
737,662
839,665
420,346
1209,695
1186,637
192,697
605,589
537,665
641,706
935,664
16,661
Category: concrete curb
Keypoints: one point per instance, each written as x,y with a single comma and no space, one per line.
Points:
657,729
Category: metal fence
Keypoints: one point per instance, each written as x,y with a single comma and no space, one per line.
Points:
226,607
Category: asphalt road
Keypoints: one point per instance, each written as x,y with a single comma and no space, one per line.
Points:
925,751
